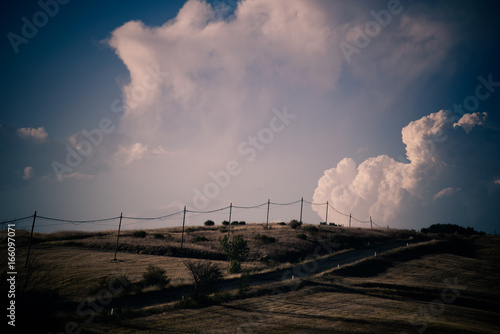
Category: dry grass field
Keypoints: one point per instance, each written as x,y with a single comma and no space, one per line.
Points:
446,285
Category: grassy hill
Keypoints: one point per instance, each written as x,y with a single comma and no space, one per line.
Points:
444,285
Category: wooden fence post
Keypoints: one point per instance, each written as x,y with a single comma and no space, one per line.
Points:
29,243
118,235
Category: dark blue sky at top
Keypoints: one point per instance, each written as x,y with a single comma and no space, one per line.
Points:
67,59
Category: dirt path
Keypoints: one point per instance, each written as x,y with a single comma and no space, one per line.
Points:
301,271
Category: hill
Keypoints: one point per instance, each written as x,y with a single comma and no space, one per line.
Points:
396,291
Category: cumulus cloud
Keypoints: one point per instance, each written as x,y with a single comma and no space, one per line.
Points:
199,81
446,192
138,151
202,82
28,173
38,134
393,192
468,121
78,176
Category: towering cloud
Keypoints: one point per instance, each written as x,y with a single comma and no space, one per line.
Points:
447,162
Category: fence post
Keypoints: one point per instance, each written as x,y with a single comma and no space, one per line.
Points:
326,217
118,236
229,226
267,219
301,205
29,243
183,222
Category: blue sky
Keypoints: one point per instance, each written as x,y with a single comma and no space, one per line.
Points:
147,107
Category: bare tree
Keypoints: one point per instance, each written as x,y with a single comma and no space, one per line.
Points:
206,275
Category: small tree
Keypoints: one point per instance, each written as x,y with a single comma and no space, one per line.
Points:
139,234
209,223
206,275
236,251
295,224
155,276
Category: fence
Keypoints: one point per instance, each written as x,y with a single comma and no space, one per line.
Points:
176,215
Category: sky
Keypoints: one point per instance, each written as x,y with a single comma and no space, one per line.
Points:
388,110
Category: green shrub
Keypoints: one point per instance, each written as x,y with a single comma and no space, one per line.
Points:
234,267
242,223
155,276
225,223
199,238
139,234
301,236
264,238
209,223
190,230
234,223
294,224
236,251
159,236
281,223
311,228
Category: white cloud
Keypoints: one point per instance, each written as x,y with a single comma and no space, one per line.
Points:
446,192
138,151
28,173
393,192
468,121
38,134
78,176
220,76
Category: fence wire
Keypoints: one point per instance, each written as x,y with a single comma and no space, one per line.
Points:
20,222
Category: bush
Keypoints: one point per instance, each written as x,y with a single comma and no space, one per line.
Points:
311,228
322,223
294,224
242,223
209,223
139,234
236,251
155,276
234,267
206,275
234,223
264,238
199,238
225,223
190,230
281,223
301,236
159,236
